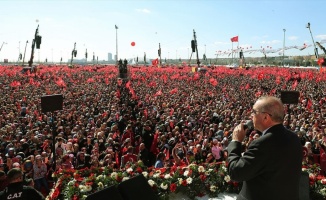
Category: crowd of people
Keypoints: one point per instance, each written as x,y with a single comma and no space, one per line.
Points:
160,116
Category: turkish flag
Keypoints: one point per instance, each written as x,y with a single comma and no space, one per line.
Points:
235,39
155,62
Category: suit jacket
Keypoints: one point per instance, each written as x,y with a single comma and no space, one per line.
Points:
270,168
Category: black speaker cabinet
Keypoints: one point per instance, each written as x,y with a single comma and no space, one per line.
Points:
110,193
50,103
290,97
136,188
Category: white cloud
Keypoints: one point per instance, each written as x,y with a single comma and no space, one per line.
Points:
293,38
144,10
321,37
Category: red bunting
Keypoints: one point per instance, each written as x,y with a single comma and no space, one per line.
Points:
154,148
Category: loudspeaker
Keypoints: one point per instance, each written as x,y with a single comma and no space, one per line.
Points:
136,188
50,103
111,193
290,97
193,46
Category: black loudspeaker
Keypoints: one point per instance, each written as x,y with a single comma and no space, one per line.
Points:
304,186
50,103
290,97
136,188
111,193
193,46
241,54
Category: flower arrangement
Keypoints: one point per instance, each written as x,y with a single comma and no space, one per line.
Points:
317,182
193,180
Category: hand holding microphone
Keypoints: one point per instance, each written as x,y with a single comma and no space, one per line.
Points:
239,131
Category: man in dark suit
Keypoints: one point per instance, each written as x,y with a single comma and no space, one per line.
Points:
271,167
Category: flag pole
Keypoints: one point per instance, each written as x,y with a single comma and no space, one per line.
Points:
232,54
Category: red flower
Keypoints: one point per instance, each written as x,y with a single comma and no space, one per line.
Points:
201,194
235,184
75,197
184,183
56,193
202,177
173,187
139,170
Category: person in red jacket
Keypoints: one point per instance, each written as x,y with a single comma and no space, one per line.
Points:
129,157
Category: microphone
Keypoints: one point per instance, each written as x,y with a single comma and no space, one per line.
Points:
248,125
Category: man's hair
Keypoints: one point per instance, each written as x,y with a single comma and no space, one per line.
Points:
273,106
14,173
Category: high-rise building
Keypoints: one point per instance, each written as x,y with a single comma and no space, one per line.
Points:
109,56
115,57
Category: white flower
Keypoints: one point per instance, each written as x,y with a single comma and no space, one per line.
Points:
210,170
82,188
151,182
71,183
125,178
156,175
145,174
201,169
224,169
129,170
99,177
84,196
227,178
304,169
186,173
164,186
88,188
114,175
189,180
180,181
100,185
167,176
213,188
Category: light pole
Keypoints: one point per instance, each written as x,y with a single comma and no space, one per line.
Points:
283,46
116,44
24,53
315,50
18,52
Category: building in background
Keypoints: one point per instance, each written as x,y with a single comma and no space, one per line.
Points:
109,57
